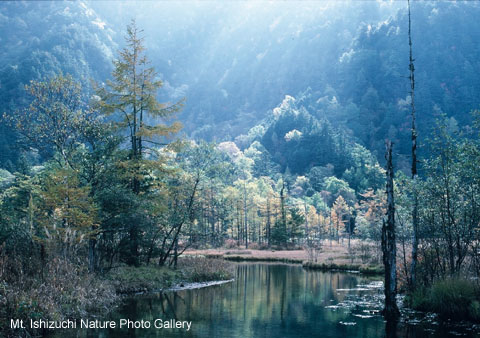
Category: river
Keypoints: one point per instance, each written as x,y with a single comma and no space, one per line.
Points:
273,300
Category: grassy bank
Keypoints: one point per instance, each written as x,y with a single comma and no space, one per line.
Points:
68,291
128,280
453,298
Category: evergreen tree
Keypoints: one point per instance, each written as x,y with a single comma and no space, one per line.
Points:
295,222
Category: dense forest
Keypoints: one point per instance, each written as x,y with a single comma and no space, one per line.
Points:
127,142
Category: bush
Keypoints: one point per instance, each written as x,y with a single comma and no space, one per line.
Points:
200,269
453,298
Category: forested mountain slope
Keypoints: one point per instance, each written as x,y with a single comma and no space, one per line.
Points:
41,39
235,62
373,89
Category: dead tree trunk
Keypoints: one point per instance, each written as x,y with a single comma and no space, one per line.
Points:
414,160
284,216
389,248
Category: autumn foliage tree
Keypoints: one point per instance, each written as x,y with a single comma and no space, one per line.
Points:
131,96
339,214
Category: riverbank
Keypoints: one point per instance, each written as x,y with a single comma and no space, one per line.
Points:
67,291
334,256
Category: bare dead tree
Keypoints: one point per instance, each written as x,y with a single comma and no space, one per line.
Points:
414,159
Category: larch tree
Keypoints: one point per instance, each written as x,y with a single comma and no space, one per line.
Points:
131,96
340,211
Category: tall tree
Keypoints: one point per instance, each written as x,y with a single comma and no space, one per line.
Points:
389,247
132,95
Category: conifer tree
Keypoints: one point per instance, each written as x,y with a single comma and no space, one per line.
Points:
131,96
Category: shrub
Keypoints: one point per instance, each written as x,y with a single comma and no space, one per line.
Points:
200,269
129,279
453,298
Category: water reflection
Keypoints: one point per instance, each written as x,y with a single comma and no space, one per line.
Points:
269,300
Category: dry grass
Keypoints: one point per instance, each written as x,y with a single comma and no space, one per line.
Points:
200,269
361,253
65,291
362,256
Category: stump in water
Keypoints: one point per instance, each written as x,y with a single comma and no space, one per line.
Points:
389,248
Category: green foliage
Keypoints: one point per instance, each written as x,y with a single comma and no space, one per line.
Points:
371,211
18,217
295,221
365,172
336,187
131,98
292,131
54,119
5,178
41,40
449,194
279,235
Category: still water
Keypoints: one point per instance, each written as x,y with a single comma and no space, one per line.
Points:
272,300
